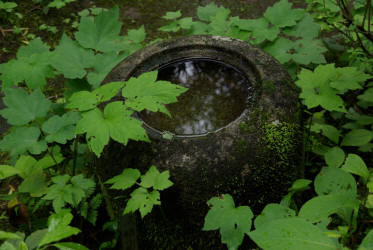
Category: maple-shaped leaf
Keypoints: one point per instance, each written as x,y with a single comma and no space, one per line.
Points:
349,78
21,140
81,187
219,24
34,183
32,66
316,89
307,28
125,180
280,49
71,59
116,122
207,12
170,15
137,35
102,65
309,51
61,128
23,108
101,32
145,92
153,178
233,222
260,29
143,201
282,15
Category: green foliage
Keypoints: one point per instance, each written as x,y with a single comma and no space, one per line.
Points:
232,222
7,6
58,4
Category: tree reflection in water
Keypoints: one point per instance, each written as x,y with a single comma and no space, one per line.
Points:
217,95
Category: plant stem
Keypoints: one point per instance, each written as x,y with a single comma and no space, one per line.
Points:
75,153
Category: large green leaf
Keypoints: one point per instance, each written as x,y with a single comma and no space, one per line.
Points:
32,66
273,212
348,78
61,128
21,140
233,222
334,157
332,180
355,165
125,180
307,28
143,201
116,122
153,178
145,92
280,49
282,15
23,108
70,59
260,29
34,183
309,51
207,12
292,234
101,32
357,137
7,171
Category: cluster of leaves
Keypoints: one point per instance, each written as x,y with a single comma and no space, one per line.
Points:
45,142
290,35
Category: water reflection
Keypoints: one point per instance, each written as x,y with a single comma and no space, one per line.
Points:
217,95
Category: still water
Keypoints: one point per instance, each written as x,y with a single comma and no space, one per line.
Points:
217,95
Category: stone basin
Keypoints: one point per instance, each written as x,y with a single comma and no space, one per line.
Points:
255,157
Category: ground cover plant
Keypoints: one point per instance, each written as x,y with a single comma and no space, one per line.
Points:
57,135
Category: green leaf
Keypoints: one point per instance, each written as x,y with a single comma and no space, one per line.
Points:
143,201
125,180
260,28
21,140
332,180
83,101
207,12
282,15
299,185
280,49
79,59
34,183
355,165
137,35
7,171
8,235
334,157
33,240
292,234
102,65
309,51
107,91
367,242
273,212
101,32
348,78
233,222
70,246
367,95
153,178
58,228
116,122
357,137
23,108
186,22
48,160
321,207
172,27
145,92
32,66
24,165
170,15
327,130
61,128
307,28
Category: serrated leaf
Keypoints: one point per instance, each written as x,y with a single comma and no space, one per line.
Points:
21,140
355,165
125,180
207,12
232,222
273,212
292,234
145,92
137,35
32,66
101,32
58,228
334,157
153,178
107,91
307,28
282,15
143,201
186,22
116,122
70,59
332,180
23,108
102,65
260,29
34,183
321,207
280,49
357,137
7,171
170,15
83,101
61,128
70,246
348,78
309,51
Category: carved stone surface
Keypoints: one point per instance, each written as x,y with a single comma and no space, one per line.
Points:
255,158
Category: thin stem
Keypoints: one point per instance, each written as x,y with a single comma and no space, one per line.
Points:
75,153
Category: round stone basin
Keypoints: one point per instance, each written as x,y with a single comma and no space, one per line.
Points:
217,95
240,136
